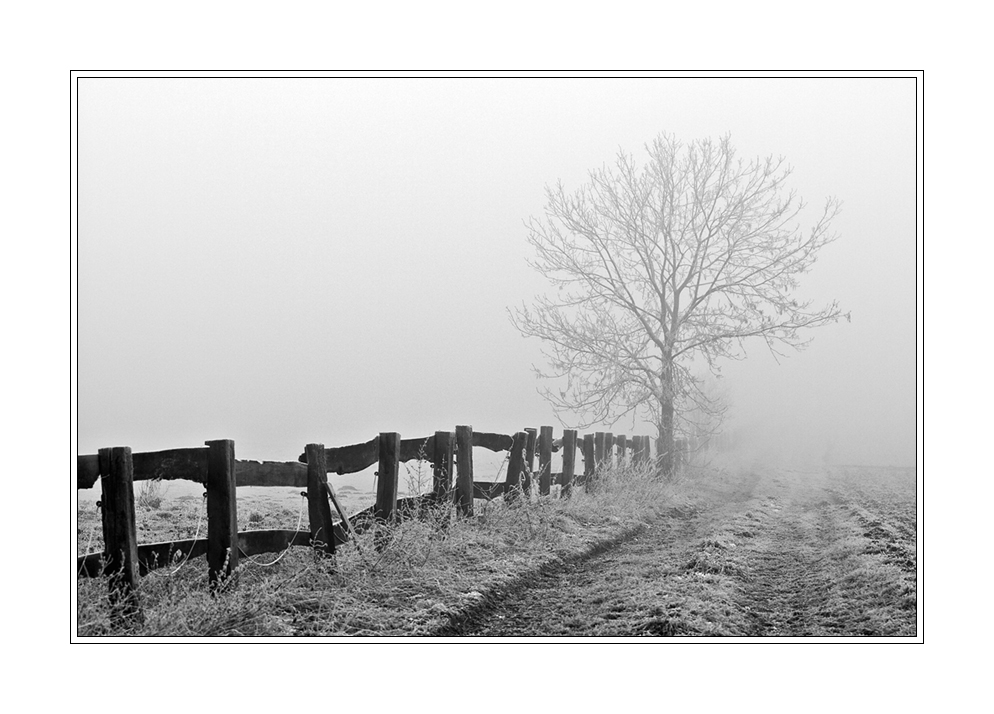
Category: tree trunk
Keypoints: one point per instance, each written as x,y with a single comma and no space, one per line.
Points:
665,444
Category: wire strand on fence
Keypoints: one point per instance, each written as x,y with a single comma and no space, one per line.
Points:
300,518
196,535
503,464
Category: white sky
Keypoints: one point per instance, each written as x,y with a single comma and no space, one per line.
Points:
289,261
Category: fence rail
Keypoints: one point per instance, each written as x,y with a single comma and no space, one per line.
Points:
191,465
215,466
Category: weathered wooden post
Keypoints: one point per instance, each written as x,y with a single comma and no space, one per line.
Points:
598,451
637,451
464,469
569,461
222,512
545,462
608,450
117,507
588,460
647,448
442,464
622,447
530,449
318,507
386,474
515,466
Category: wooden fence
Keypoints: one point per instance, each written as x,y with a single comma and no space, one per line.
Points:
215,466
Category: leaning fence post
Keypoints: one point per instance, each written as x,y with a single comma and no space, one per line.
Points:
464,469
515,466
442,464
318,508
569,461
222,512
117,505
530,448
545,462
386,473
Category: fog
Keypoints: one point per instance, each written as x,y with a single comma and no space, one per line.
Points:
282,261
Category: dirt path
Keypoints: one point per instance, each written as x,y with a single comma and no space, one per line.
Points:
760,553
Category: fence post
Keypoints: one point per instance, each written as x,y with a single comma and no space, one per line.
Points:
464,469
569,461
318,508
515,466
386,476
117,506
588,459
442,464
608,450
622,447
222,512
598,451
647,448
530,447
545,462
637,450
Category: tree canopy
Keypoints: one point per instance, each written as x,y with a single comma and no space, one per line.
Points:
663,269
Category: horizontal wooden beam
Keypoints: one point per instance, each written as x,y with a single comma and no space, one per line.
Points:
90,565
350,459
274,541
150,556
358,457
168,553
88,470
189,464
422,449
494,442
270,473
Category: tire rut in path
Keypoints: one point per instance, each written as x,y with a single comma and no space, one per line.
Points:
785,580
611,593
813,567
771,555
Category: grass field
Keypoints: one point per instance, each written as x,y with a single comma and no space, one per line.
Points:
425,575
717,552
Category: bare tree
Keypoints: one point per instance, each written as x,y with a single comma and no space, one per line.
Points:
665,269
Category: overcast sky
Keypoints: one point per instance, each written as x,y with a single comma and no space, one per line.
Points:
285,261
